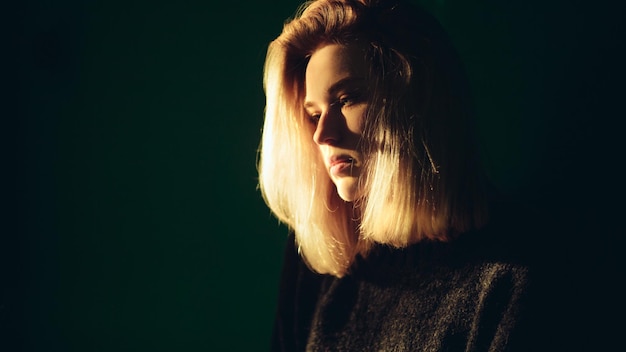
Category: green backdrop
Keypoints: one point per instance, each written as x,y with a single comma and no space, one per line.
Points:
133,222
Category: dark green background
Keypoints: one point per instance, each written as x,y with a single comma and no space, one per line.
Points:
132,221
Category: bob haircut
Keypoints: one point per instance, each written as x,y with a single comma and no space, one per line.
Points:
421,179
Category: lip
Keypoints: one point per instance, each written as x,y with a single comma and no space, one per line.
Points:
343,158
341,165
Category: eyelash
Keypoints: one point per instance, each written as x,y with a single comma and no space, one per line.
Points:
343,101
314,118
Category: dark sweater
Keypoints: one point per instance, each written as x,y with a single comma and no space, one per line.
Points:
467,295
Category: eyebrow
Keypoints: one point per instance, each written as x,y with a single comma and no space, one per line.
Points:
336,87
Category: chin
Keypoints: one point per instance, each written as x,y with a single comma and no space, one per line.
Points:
346,197
347,190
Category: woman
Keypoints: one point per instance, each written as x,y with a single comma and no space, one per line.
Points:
367,155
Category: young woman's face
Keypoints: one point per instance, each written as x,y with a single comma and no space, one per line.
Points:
336,102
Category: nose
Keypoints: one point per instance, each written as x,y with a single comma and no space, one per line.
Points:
328,130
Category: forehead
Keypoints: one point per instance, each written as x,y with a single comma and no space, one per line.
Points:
333,62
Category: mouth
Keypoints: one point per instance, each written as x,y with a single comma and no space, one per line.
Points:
342,165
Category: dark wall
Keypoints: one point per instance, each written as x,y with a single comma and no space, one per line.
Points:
131,216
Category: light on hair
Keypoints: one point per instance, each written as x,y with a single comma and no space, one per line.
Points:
419,181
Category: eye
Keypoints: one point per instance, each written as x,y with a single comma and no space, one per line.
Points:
344,101
347,99
314,118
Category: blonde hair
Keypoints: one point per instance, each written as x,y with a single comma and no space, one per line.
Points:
421,177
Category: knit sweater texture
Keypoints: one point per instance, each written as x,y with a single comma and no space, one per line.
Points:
470,294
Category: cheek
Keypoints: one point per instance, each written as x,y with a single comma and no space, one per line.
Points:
319,150
356,119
